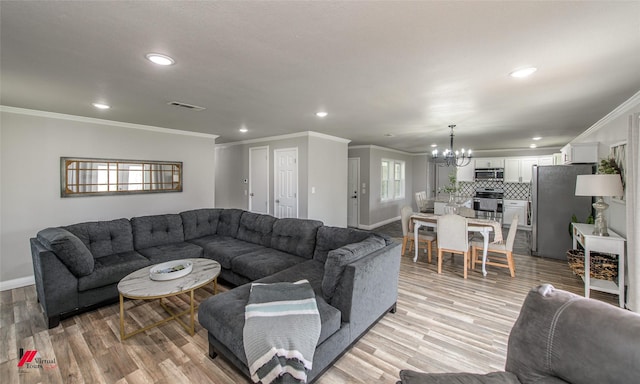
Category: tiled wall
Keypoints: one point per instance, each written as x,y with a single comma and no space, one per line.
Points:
512,191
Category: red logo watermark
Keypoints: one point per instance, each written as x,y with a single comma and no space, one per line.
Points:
26,357
31,359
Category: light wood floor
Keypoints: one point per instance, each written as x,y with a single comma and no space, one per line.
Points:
443,324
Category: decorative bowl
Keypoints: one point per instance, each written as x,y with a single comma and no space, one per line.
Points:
171,270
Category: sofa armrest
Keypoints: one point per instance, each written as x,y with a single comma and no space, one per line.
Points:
56,286
368,288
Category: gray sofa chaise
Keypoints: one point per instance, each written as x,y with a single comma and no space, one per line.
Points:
355,278
560,338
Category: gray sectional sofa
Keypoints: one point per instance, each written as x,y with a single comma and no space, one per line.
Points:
354,273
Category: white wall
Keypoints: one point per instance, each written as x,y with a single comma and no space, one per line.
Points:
32,143
611,130
328,174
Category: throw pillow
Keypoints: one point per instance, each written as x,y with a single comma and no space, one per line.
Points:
69,249
339,258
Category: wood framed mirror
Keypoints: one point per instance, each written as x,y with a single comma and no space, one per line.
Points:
99,177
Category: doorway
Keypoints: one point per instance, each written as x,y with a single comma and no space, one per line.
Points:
259,179
286,183
353,197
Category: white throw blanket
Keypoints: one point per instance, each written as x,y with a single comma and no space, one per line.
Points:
281,330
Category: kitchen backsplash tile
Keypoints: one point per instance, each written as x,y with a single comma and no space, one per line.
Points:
512,191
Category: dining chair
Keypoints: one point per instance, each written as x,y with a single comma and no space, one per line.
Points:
453,238
421,201
426,239
504,249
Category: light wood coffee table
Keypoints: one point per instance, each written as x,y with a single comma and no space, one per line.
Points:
138,285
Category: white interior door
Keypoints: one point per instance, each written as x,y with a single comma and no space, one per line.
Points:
353,197
259,179
286,182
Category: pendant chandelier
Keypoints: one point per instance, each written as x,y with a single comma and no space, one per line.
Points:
451,158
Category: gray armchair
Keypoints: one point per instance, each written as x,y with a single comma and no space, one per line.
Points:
560,337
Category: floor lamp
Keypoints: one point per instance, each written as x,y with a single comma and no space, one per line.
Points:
599,185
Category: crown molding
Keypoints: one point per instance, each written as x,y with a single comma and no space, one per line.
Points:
377,147
619,111
285,137
112,123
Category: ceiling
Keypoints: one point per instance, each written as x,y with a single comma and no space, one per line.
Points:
393,74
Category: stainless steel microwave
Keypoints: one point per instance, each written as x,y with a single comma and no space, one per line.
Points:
489,173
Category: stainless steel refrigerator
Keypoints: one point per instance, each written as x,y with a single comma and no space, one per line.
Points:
553,203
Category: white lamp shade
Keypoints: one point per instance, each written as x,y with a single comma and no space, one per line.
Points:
599,185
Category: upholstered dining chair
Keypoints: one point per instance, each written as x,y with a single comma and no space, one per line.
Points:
505,251
421,201
453,238
425,239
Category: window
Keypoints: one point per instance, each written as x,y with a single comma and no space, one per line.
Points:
392,180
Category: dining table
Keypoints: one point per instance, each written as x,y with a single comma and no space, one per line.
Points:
482,226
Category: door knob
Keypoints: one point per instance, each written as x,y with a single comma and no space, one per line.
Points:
278,201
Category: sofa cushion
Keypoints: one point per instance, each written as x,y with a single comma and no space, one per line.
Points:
228,222
312,271
295,236
151,231
111,269
341,257
412,377
200,222
330,238
258,264
255,228
104,237
223,249
173,251
69,249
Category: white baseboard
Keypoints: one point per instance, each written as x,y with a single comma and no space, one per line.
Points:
379,224
17,283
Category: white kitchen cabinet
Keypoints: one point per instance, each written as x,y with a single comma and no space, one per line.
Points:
580,153
510,208
490,162
519,169
546,160
466,173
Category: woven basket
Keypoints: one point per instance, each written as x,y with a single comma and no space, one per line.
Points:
602,266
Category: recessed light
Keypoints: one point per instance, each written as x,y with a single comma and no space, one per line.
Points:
434,145
524,72
101,106
533,146
389,135
536,138
160,59
244,130
321,114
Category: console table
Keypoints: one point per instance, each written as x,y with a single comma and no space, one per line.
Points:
613,244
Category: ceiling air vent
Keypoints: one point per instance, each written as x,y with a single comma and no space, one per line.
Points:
186,106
